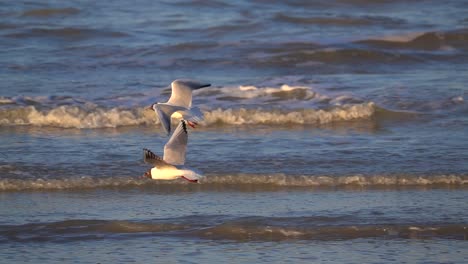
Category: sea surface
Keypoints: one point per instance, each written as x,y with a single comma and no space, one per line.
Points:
335,131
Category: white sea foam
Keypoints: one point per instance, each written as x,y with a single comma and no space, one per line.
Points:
229,105
78,117
75,117
277,117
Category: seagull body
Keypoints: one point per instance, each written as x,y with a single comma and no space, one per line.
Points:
169,167
179,104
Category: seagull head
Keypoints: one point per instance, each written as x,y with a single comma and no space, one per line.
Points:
147,174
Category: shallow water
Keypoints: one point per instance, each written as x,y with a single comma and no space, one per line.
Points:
334,131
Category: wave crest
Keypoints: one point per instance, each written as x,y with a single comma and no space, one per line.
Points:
98,117
74,117
247,231
278,117
242,181
236,229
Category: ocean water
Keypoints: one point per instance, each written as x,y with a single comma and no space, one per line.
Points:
334,131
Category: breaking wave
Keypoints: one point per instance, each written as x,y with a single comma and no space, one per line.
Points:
78,117
235,105
238,181
240,229
75,117
278,117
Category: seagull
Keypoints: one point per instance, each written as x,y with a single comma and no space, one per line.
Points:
169,167
179,104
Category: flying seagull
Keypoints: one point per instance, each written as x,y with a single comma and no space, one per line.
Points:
179,103
169,167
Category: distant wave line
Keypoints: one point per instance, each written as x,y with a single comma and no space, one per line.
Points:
239,181
237,229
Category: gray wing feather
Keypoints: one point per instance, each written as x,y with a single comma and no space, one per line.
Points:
181,95
176,147
164,112
153,159
193,114
182,91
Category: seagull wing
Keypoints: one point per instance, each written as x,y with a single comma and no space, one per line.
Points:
182,92
181,95
175,148
153,159
193,114
164,112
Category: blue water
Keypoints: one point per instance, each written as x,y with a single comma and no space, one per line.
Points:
334,131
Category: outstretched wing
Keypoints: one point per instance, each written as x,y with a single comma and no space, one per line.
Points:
175,148
182,92
153,159
193,114
164,112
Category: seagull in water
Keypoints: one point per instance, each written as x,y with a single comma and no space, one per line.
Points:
179,104
169,167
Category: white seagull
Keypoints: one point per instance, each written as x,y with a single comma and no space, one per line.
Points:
179,103
169,167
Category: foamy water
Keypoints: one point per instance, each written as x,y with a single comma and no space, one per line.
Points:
275,106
